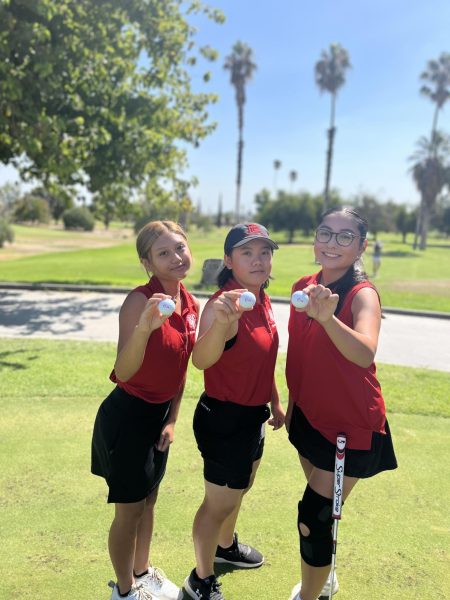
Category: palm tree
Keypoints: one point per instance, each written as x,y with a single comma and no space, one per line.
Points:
293,178
277,167
241,66
330,76
431,173
437,89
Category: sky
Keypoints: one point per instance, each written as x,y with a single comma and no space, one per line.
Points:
380,113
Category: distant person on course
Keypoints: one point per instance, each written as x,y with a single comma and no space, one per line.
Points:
376,258
333,388
135,424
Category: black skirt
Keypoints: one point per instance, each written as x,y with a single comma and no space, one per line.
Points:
126,430
321,453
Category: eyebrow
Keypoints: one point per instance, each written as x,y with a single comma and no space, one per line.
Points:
340,231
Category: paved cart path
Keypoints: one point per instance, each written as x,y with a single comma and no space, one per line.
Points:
405,340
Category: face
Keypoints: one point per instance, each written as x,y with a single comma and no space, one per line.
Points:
169,257
251,263
332,255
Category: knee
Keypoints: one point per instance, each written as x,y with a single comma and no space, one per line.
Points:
218,511
150,501
314,525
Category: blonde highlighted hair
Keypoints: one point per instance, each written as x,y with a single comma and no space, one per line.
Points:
148,235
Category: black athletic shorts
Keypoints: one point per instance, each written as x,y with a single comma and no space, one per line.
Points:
230,438
126,430
313,446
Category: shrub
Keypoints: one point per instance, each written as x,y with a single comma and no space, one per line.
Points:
6,232
32,208
78,218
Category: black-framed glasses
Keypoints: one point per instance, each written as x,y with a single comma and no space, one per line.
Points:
343,238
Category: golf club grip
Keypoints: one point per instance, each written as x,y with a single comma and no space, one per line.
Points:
338,488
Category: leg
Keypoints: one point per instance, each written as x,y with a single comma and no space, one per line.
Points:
218,504
144,534
314,575
122,542
229,526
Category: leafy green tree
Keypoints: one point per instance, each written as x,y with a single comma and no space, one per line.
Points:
31,209
99,93
241,65
58,198
431,174
375,213
78,217
9,196
437,89
6,232
289,213
276,167
330,73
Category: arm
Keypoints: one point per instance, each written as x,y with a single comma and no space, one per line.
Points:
167,432
278,415
218,324
138,318
359,344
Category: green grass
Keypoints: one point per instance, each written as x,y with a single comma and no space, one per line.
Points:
407,278
394,536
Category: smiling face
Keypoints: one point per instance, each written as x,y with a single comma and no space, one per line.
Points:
334,257
169,258
251,263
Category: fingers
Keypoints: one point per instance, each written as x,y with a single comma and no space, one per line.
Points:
163,442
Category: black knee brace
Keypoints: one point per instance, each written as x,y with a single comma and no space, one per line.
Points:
314,511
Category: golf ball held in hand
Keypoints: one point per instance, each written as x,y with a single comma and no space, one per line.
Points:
247,300
166,307
300,299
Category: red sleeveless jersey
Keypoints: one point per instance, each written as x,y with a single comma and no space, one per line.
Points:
244,374
167,353
335,394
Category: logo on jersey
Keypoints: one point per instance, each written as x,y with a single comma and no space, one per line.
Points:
191,320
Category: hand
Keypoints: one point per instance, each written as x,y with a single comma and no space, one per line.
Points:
322,303
151,318
227,309
278,416
166,437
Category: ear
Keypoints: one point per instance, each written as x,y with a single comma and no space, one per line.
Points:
146,264
227,261
364,245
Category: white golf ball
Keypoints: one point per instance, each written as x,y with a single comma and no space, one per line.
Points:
247,300
166,307
300,299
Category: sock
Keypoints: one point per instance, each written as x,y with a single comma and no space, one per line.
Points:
141,574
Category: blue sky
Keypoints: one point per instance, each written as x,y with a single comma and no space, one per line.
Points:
380,113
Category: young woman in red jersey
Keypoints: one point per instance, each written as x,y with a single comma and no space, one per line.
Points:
135,424
237,349
333,388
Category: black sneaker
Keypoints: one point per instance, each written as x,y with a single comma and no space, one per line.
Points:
203,589
239,555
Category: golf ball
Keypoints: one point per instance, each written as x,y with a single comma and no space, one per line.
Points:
300,299
247,300
166,307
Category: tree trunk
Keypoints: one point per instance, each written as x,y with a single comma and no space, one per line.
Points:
239,161
331,134
425,222
418,223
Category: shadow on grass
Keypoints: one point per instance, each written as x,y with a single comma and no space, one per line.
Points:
5,360
401,254
60,315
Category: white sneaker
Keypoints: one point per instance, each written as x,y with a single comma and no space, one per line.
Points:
137,592
325,593
156,582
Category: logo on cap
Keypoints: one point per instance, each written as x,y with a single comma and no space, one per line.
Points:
254,228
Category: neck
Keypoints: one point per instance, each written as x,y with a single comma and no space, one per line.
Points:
171,288
328,276
256,290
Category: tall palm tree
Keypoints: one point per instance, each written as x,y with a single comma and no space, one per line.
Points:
330,77
241,65
276,167
293,178
431,173
437,89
